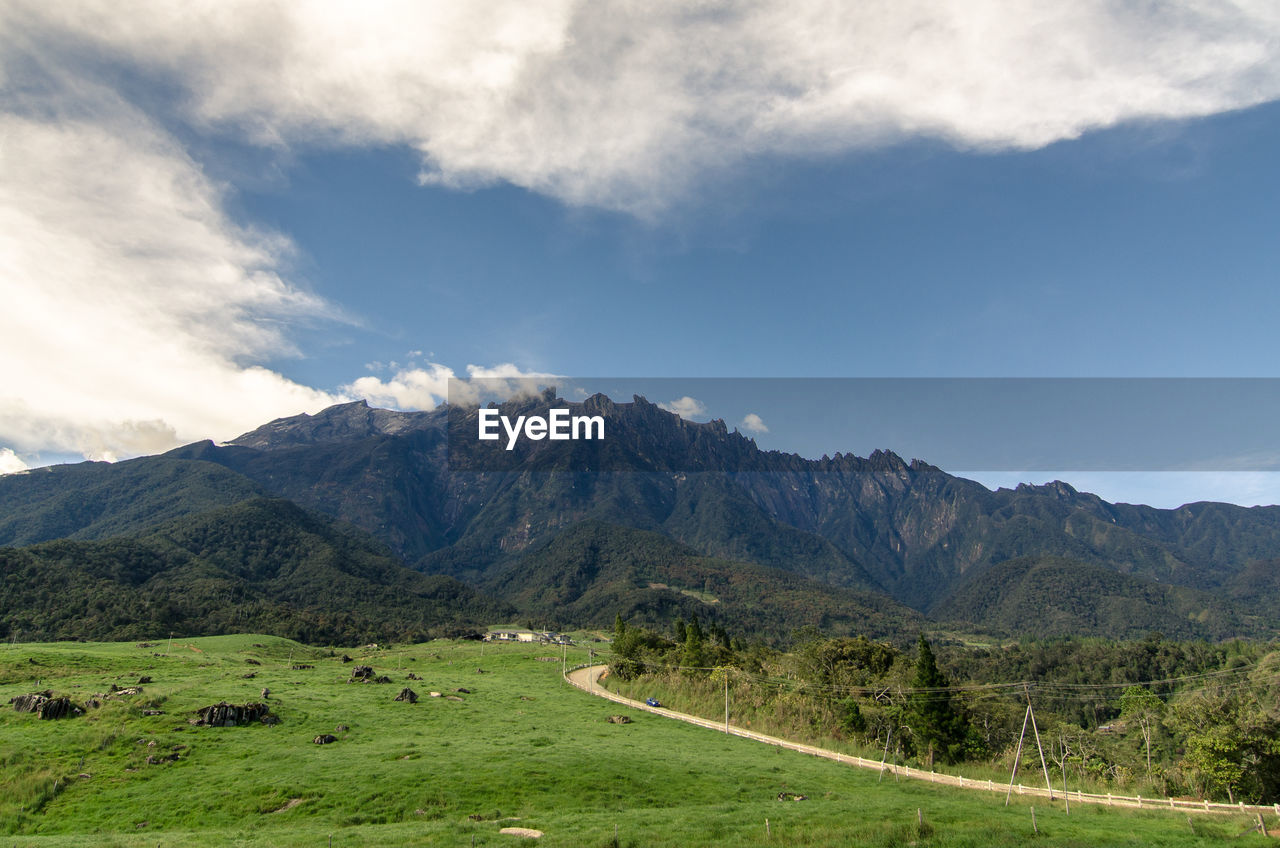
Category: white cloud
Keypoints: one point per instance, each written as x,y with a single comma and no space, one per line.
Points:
10,462
133,308
624,105
411,388
685,407
426,388
754,424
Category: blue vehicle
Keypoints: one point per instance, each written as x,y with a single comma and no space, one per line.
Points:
653,702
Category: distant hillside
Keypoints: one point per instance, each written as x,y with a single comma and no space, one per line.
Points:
1053,596
94,500
593,571
258,566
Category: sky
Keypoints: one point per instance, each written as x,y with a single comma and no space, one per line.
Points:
213,214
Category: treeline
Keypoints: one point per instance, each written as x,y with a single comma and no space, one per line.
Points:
261,566
1154,716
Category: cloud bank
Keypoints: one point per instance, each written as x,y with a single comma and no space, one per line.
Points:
625,105
426,387
134,309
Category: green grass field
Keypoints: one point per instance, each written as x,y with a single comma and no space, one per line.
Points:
523,748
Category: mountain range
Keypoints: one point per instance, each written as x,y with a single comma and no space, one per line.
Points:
691,518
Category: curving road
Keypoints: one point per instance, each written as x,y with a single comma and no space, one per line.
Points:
588,680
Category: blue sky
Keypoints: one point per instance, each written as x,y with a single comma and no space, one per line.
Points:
217,215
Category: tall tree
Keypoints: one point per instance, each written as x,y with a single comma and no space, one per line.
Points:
939,728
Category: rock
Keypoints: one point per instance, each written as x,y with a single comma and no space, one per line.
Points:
223,714
407,694
435,694
44,705
152,712
266,693
619,719
250,675
300,667
453,698
143,679
413,676
464,690
347,659
361,673
342,728
252,661
325,739
383,679
792,796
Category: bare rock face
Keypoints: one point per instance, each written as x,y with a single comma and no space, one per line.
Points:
223,714
44,705
407,694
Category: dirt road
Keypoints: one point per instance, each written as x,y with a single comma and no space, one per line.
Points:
588,679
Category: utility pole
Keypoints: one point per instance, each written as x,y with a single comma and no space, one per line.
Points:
1043,765
726,700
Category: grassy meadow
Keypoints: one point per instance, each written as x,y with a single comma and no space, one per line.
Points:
521,748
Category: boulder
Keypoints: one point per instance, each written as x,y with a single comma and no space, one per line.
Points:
361,673
44,705
325,739
223,714
407,694
619,719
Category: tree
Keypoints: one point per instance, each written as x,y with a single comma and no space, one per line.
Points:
619,627
1144,707
693,655
939,727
